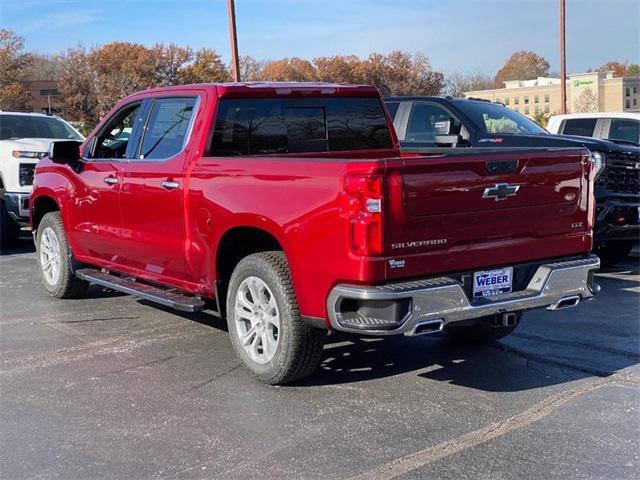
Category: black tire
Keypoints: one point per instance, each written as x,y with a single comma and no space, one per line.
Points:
484,331
299,346
9,229
611,253
67,285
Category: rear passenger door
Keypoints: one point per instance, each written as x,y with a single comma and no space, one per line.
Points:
152,190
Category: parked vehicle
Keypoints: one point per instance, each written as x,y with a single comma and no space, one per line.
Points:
435,125
287,208
24,140
618,127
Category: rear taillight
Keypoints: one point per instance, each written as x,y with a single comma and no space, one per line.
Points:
363,207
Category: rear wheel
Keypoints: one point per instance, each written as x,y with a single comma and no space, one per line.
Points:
54,258
611,253
264,323
9,229
486,331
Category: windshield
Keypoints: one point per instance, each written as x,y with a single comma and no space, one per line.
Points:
29,126
492,118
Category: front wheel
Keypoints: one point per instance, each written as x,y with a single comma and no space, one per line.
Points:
264,323
485,331
54,258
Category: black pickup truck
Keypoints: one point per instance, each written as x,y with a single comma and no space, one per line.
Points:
437,124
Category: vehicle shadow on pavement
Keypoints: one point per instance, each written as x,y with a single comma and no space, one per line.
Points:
24,245
558,347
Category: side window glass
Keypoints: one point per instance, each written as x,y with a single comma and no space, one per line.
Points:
167,127
583,127
625,130
424,119
114,139
392,108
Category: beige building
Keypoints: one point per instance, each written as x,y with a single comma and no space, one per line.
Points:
586,92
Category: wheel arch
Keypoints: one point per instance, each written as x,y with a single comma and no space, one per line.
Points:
235,244
40,206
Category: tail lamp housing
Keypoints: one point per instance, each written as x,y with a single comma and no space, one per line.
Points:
363,207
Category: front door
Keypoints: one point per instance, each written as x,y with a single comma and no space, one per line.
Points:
95,224
152,192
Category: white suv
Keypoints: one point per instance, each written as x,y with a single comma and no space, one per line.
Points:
24,139
620,127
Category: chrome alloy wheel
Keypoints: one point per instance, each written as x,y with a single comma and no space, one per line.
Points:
257,319
50,256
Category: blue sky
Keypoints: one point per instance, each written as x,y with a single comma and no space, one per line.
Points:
457,35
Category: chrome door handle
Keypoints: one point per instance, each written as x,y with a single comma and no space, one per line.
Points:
169,185
110,180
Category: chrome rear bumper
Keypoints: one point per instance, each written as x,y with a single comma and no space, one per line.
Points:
554,285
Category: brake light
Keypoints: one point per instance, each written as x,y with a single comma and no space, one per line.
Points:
364,194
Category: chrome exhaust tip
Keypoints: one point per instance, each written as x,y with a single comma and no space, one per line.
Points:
565,302
427,327
509,319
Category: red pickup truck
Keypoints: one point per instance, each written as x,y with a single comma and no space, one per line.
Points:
288,209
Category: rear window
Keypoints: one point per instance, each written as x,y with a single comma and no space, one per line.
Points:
583,127
273,125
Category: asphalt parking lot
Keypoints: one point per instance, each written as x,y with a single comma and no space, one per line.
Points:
112,387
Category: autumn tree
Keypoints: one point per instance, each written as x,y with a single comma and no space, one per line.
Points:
339,69
44,67
458,83
251,68
14,72
206,67
292,69
633,70
522,65
400,73
170,61
120,69
618,69
77,84
586,102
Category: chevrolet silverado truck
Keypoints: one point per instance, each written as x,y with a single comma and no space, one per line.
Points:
437,124
287,209
24,140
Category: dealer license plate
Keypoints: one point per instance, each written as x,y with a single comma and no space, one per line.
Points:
492,282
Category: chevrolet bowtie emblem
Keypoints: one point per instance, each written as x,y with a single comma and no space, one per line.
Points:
501,191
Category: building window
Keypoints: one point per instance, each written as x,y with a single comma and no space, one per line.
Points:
526,100
627,104
516,101
635,90
526,110
506,100
627,91
536,99
537,110
546,109
635,102
546,99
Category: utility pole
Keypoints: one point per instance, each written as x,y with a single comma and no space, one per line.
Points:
563,60
235,65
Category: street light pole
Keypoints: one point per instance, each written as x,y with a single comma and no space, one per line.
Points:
563,60
235,64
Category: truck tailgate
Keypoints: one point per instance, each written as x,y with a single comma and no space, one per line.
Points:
453,212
